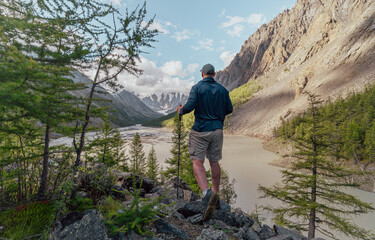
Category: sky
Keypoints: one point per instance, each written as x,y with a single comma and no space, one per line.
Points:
193,33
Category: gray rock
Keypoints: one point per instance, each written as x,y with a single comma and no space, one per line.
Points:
88,225
283,231
266,232
318,239
281,237
191,209
256,227
224,206
212,235
251,235
166,227
226,217
241,219
196,219
240,234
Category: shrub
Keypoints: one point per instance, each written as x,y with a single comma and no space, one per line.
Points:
27,220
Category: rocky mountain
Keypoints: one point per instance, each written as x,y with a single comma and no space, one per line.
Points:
125,108
166,103
326,47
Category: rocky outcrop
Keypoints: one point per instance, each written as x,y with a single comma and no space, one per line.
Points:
324,47
88,225
180,219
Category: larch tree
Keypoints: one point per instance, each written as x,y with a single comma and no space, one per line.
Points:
152,165
137,155
313,190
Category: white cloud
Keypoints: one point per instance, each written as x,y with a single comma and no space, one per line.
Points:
185,34
236,30
192,68
227,57
170,77
206,44
161,26
236,24
222,14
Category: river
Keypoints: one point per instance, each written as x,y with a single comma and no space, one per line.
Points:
245,160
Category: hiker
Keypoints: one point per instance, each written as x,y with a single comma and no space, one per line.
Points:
211,103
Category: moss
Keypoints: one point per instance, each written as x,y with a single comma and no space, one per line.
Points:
27,220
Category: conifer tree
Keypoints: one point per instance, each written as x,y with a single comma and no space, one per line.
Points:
186,165
313,190
108,147
137,156
152,165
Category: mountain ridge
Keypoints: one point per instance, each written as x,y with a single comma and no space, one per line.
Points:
125,108
326,48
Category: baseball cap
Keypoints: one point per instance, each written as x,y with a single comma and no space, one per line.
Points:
208,69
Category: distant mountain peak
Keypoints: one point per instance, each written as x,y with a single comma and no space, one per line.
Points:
166,102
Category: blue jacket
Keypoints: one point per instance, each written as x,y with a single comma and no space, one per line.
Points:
211,103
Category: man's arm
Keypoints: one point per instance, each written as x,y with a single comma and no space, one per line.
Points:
190,104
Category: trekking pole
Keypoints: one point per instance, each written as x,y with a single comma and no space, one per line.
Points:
179,152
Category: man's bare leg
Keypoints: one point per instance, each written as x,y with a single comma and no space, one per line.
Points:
200,174
216,176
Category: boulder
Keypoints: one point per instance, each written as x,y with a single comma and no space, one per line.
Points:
266,232
191,209
88,225
283,231
166,227
129,180
251,235
212,235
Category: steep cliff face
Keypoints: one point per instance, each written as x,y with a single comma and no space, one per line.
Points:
326,47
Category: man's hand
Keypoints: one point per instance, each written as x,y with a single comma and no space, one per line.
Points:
178,109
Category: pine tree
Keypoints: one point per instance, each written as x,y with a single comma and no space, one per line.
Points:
152,165
108,147
186,165
313,190
137,155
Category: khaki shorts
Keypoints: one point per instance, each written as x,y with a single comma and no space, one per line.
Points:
206,144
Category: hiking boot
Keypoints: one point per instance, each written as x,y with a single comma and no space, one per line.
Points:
209,204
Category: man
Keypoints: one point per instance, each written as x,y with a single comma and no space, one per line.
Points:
211,103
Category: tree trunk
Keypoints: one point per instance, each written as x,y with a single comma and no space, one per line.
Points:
43,178
312,215
84,128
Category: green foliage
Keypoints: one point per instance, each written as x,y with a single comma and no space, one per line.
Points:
80,204
152,165
27,220
159,122
96,181
109,207
313,191
244,93
138,217
108,148
351,123
137,155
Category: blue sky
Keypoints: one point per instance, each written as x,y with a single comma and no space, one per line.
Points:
193,33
